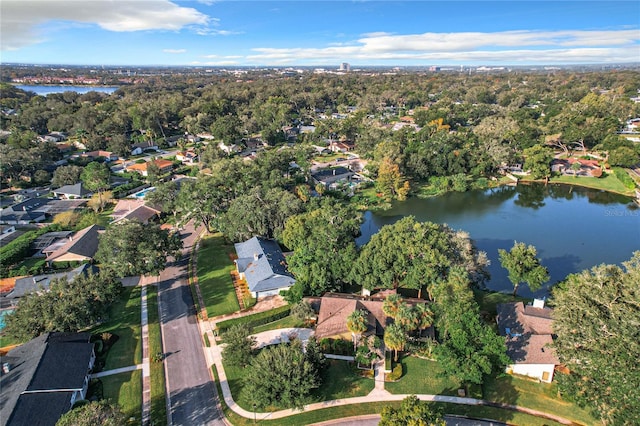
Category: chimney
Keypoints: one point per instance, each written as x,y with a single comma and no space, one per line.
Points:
334,172
255,256
538,303
6,367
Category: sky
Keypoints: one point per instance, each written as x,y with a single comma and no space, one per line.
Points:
319,33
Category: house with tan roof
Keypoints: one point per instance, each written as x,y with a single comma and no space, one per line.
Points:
529,336
133,209
80,247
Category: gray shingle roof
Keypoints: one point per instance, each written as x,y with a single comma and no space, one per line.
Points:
75,190
83,243
52,362
28,285
263,265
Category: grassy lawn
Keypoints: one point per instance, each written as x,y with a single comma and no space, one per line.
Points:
124,321
286,322
7,341
158,399
340,381
608,183
125,389
531,394
343,411
422,376
214,267
343,380
488,300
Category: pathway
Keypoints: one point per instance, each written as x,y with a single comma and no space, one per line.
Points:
116,371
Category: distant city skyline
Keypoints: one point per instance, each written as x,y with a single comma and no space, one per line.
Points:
308,33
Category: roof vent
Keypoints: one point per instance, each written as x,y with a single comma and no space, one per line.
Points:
6,367
538,303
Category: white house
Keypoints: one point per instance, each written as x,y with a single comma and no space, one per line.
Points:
528,331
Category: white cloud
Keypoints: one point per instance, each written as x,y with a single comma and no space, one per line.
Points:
507,46
22,20
174,51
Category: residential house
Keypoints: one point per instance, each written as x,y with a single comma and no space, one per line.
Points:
321,149
107,155
25,212
590,168
139,148
64,148
187,157
80,247
341,146
43,378
262,265
46,240
529,335
53,137
71,192
164,166
331,177
228,149
133,209
41,283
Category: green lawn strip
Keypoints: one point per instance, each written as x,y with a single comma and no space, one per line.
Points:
488,300
424,377
344,411
124,321
286,322
531,394
125,389
158,398
257,319
214,267
8,341
607,183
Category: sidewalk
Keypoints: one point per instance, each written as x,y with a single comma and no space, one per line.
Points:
116,371
146,369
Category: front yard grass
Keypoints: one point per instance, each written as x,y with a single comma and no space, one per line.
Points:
124,321
214,268
125,389
344,411
340,381
422,376
286,322
531,394
158,405
607,183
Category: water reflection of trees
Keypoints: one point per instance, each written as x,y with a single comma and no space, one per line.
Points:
531,196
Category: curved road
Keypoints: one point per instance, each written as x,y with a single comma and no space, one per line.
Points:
191,392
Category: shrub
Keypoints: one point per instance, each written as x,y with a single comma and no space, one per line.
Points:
256,319
395,374
624,177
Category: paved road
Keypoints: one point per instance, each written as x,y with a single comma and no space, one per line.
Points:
190,388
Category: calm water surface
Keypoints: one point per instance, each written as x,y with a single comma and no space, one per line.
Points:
572,228
46,90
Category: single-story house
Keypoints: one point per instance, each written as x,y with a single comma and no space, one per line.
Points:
80,247
43,378
341,146
187,157
262,265
40,283
587,167
328,177
529,335
163,165
70,192
107,155
53,137
27,211
64,147
139,148
228,149
133,209
321,149
46,240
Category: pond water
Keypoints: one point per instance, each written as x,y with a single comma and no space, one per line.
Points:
572,228
46,90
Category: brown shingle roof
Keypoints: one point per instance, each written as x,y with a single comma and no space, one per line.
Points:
83,243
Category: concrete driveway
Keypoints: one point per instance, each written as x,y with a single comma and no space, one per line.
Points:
282,335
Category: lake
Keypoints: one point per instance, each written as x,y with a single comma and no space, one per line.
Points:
572,228
46,90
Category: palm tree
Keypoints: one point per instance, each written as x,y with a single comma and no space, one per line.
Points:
357,324
407,317
395,338
391,305
425,315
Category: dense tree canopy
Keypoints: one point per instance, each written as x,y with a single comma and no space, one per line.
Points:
523,266
94,413
239,345
68,305
412,412
597,321
132,248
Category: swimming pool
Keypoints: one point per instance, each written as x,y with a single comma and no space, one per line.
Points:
2,315
141,194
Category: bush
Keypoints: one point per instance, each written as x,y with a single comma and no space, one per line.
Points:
256,319
395,374
624,177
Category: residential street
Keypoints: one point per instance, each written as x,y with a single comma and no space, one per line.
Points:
191,391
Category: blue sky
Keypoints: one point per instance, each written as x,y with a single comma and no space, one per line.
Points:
289,33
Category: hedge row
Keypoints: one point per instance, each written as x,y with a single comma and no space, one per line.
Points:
18,249
256,319
624,177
